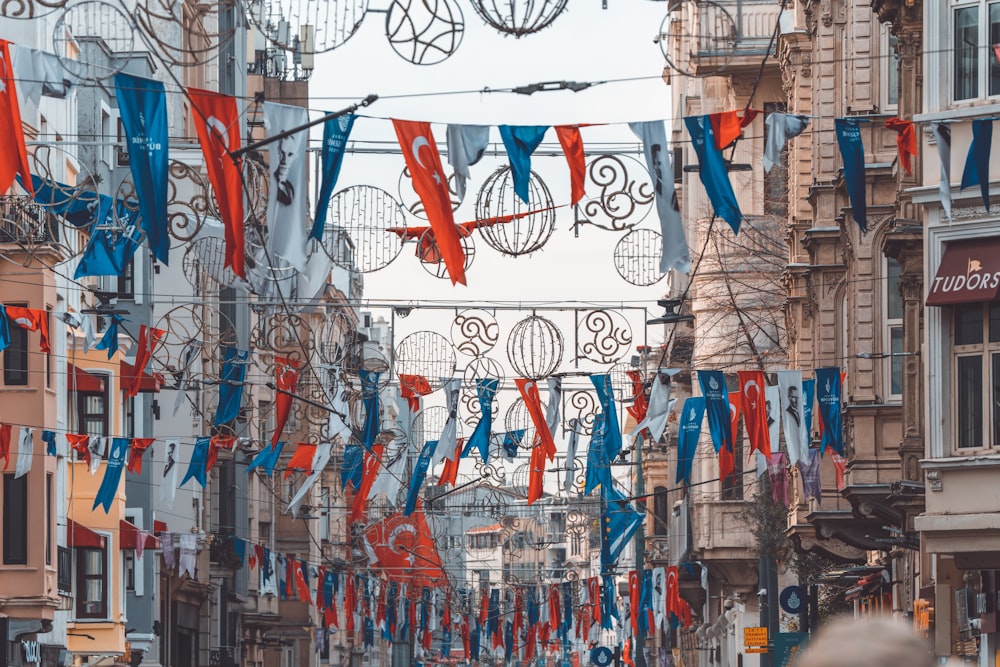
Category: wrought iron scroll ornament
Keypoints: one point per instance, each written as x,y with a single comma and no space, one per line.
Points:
624,194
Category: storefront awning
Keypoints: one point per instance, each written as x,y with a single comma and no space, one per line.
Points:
969,273
82,382
78,535
129,536
150,383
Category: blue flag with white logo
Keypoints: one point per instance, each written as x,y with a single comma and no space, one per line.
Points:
713,173
234,370
521,141
619,521
419,473
612,433
713,388
267,458
112,474
598,472
808,393
4,329
853,153
511,441
486,389
828,395
353,468
335,134
109,341
142,104
977,162
111,247
373,416
78,206
609,610
199,461
688,434
646,603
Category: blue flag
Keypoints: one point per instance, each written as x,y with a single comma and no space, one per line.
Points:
417,479
532,605
49,438
234,370
853,153
645,602
112,474
977,162
609,610
480,439
828,395
329,585
688,434
240,548
598,472
612,434
110,248
199,461
142,104
373,416
521,141
267,458
353,467
78,206
493,613
567,615
335,134
713,388
511,440
619,521
808,392
109,341
713,173
4,329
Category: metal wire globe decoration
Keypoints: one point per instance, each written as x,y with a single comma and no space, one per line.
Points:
621,193
411,200
621,383
518,419
305,27
359,234
203,26
204,264
637,257
714,34
336,336
429,423
427,354
602,336
535,347
430,255
519,17
93,27
508,224
474,332
424,32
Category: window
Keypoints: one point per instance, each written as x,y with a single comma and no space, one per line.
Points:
126,281
264,532
15,357
15,520
64,576
92,409
48,519
893,340
975,30
976,368
48,357
576,545
129,561
661,511
91,584
892,72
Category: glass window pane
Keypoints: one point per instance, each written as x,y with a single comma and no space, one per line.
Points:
996,400
994,40
966,54
969,410
995,322
969,325
892,82
896,343
893,299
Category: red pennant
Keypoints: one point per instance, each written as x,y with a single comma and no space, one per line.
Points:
906,141
302,459
640,404
533,402
839,467
412,387
148,338
320,578
594,592
727,126
555,606
420,152
77,441
216,120
572,145
672,591
752,385
139,445
369,472
536,474
350,604
216,443
634,596
5,430
449,474
14,160
286,377
31,319
257,556
484,606
404,549
727,459
300,581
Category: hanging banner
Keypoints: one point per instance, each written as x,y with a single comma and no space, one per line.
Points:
287,197
112,474
752,388
335,135
199,460
234,369
713,173
320,459
828,396
977,162
853,153
142,105
612,431
139,446
419,473
780,128
713,388
520,142
25,452
267,458
466,146
572,145
14,159
168,475
688,434
792,418
486,390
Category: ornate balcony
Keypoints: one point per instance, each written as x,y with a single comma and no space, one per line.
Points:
26,223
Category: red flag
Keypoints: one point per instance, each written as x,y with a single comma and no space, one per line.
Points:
431,185
906,141
369,472
727,459
685,613
139,445
839,467
302,459
727,126
752,385
217,121
594,592
449,474
572,145
5,445
412,387
518,621
77,441
404,549
533,402
148,338
555,606
350,604
536,474
216,443
300,581
672,591
633,596
320,602
31,319
640,404
484,606
286,377
627,653
258,555
16,162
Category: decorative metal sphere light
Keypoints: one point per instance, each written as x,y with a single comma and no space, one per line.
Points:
535,347
519,17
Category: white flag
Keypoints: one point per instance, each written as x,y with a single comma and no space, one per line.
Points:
97,446
25,452
269,585
188,356
287,205
792,415
189,554
390,475
674,254
449,434
780,128
574,441
658,410
942,134
772,402
320,459
555,403
339,410
466,145
659,597
168,478
83,324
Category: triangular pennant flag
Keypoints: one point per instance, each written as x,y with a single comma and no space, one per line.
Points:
14,159
199,460
109,341
49,438
486,390
466,146
267,458
977,163
32,319
906,141
942,137
112,474
286,373
335,134
572,145
688,434
139,445
302,459
853,153
727,126
780,128
148,339
712,171
318,464
78,442
520,142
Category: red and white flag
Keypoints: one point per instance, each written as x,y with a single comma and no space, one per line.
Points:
32,319
421,154
216,120
139,445
286,378
752,388
148,339
14,158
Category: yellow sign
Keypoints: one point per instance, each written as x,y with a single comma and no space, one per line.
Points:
755,636
756,649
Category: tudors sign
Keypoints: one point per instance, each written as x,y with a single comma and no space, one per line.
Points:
969,273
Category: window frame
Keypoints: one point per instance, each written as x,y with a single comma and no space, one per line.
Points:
893,362
81,578
16,357
986,421
985,62
81,401
15,528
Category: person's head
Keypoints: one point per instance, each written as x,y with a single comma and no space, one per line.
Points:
877,641
793,395
284,158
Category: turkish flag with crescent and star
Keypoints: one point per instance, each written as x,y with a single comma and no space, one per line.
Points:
15,160
430,183
286,378
755,411
404,549
217,121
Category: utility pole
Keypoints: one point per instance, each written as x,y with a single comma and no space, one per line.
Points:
638,649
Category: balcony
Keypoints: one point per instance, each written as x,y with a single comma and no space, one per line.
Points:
732,34
26,223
